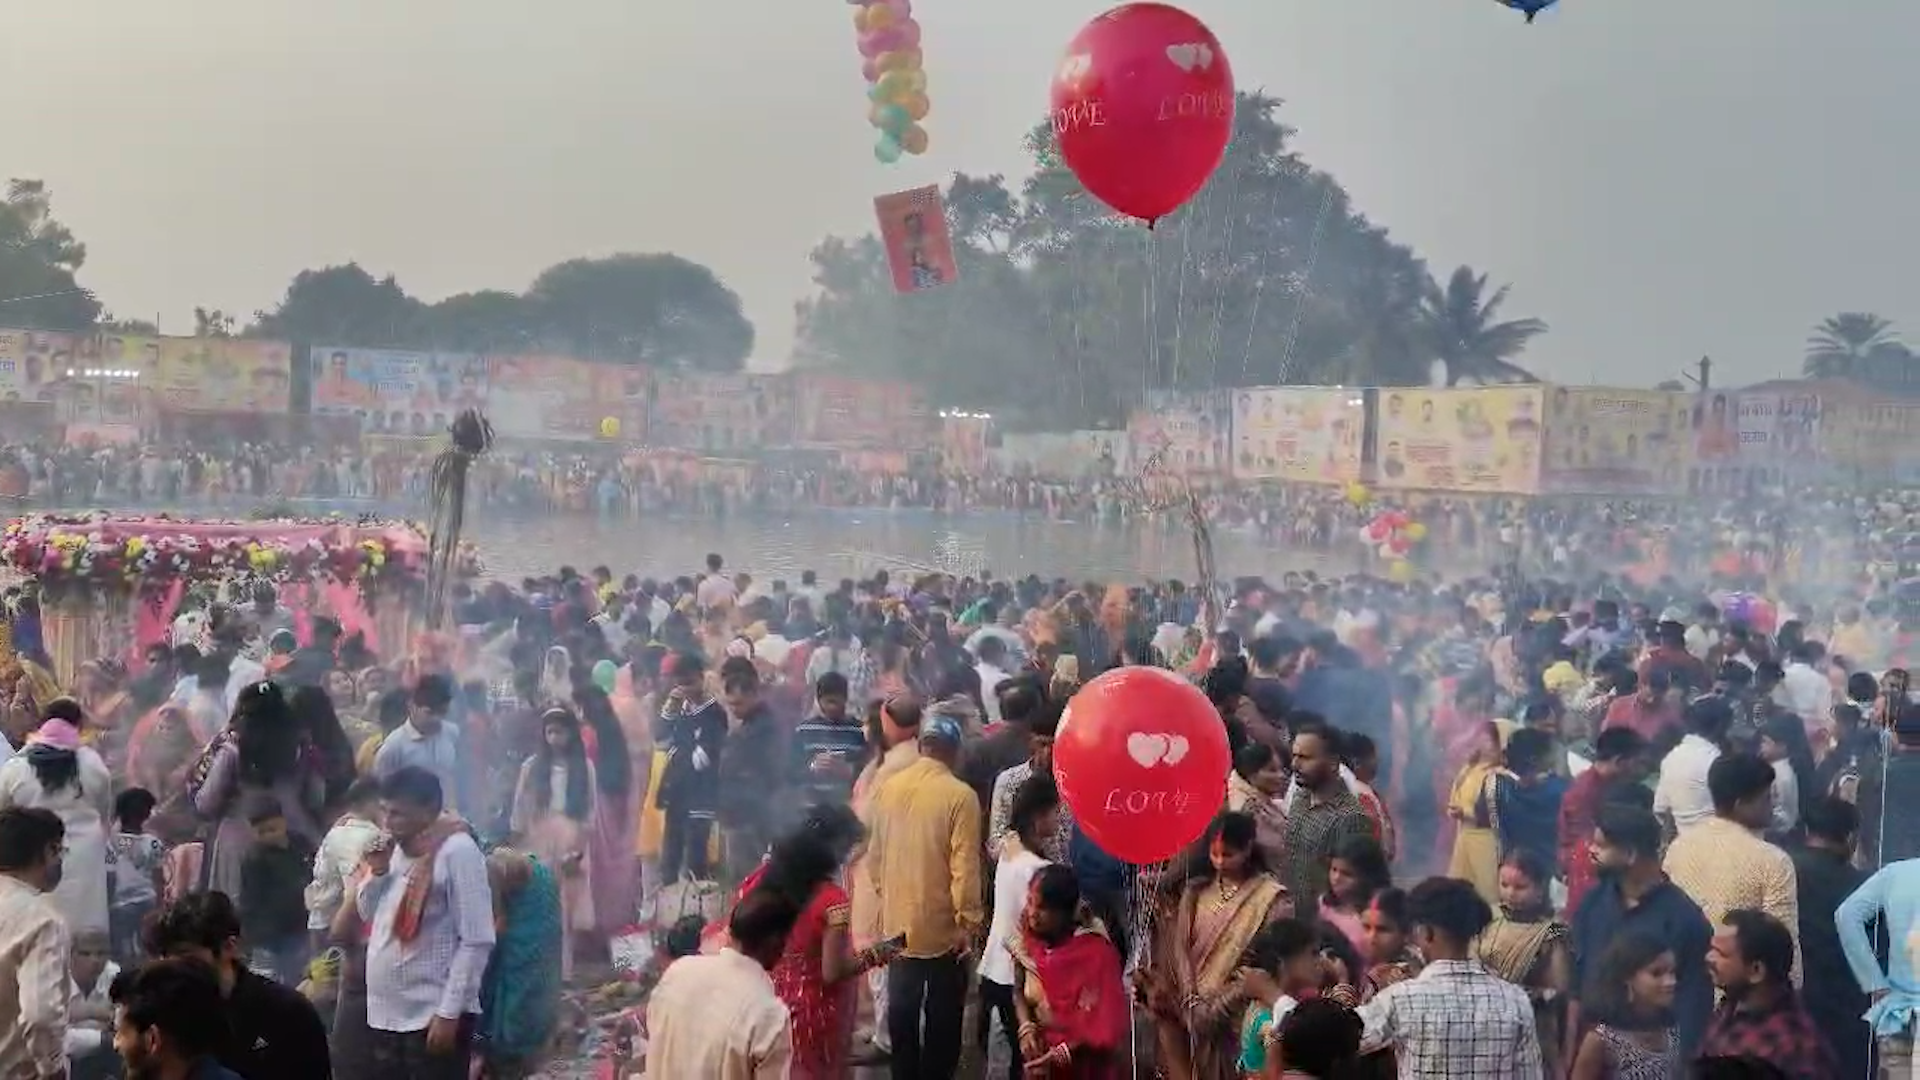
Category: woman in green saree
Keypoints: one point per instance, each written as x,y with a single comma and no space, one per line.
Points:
1190,988
520,995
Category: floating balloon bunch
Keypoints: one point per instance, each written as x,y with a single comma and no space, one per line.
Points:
1392,535
897,83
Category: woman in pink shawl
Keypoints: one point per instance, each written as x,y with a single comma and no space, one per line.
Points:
161,750
616,812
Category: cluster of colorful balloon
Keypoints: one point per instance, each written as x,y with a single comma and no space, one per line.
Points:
1357,494
897,83
1392,535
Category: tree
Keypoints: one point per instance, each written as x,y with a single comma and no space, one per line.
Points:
654,309
1064,314
1462,334
1857,345
344,305
108,323
660,310
39,259
212,323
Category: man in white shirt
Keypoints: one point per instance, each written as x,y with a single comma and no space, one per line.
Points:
992,671
1804,691
1681,796
718,1017
715,588
33,947
430,935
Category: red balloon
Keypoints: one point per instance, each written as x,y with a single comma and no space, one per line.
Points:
1141,757
1143,108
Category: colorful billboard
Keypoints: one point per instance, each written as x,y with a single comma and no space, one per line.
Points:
34,363
391,392
722,413
913,227
1307,435
1484,440
221,375
1605,441
1181,434
838,411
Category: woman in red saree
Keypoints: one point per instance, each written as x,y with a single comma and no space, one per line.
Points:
1069,995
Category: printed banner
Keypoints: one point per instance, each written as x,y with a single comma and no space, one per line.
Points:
1101,454
913,226
1755,427
1481,440
840,412
543,397
723,413
394,392
963,442
1602,441
1299,434
1181,434
222,375
33,364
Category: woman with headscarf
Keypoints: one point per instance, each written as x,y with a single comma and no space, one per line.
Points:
552,814
260,752
54,772
556,677
520,994
161,751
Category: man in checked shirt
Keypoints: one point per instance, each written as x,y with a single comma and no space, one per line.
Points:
1455,1018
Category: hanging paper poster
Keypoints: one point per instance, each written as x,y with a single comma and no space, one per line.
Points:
913,226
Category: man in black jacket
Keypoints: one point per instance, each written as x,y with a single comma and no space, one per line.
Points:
1825,876
276,1034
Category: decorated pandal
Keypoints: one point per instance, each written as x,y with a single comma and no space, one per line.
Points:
110,585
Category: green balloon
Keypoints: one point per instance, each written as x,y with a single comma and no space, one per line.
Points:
894,120
604,674
887,150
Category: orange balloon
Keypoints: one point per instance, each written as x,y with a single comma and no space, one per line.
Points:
914,140
917,106
879,16
860,20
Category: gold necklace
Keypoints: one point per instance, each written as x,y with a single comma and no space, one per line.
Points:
1227,892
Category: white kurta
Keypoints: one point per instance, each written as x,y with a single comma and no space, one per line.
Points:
85,807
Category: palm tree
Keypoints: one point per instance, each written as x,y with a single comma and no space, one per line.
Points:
1851,344
1462,334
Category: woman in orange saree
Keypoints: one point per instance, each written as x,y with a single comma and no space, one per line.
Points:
1068,996
1190,988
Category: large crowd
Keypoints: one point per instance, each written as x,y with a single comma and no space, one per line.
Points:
1521,824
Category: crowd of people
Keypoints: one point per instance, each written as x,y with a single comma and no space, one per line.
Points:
1504,825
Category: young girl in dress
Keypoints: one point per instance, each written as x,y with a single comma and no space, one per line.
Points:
552,809
1356,870
1631,1006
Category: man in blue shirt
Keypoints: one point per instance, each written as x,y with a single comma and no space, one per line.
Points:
1892,895
1635,895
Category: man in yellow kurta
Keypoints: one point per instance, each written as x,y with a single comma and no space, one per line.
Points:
900,729
924,861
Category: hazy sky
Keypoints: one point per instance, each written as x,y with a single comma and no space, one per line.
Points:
1657,178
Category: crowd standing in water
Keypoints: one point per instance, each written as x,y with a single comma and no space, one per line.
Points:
1512,825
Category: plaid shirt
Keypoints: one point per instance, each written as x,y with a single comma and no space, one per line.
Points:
1782,1035
1455,1019
1314,829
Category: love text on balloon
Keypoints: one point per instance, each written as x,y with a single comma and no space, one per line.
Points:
1136,802
1080,115
1208,105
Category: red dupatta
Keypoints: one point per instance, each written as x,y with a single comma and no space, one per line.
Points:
1082,986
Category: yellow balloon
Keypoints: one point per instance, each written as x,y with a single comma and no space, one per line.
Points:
917,79
610,428
917,106
914,139
1400,572
1357,493
894,86
879,16
901,60
860,20
1416,531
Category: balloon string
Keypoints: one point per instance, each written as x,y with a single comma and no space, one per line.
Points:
1306,283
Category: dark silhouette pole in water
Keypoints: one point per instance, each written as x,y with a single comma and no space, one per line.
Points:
470,437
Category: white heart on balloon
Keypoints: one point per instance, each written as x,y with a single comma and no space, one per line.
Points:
1176,749
1146,750
1075,67
1191,57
